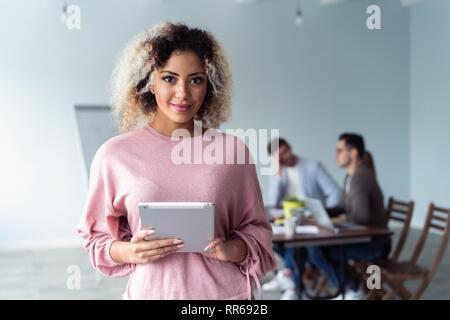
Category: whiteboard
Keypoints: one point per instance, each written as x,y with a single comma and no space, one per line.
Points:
96,125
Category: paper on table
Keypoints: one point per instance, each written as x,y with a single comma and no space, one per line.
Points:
280,230
277,229
307,229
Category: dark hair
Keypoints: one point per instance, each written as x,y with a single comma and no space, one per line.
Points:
354,140
181,37
281,142
178,37
368,161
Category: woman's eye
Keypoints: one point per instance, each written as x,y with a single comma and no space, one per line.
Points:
197,80
168,79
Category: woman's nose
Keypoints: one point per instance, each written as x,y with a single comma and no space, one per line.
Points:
182,91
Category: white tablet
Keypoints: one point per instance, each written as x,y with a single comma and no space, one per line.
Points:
192,222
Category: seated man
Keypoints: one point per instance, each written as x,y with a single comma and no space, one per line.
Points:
300,177
362,202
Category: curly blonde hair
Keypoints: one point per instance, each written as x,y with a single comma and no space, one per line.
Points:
134,104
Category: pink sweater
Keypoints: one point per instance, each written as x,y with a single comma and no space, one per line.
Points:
137,167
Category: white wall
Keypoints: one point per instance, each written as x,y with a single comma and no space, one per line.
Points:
430,105
313,82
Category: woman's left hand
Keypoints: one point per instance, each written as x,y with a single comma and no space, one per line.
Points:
233,250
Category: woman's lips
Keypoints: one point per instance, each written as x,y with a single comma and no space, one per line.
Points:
180,107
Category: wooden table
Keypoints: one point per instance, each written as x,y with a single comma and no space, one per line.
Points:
328,237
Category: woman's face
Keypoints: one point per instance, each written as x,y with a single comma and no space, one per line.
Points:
179,87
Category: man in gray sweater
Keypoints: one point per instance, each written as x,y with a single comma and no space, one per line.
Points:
362,199
362,203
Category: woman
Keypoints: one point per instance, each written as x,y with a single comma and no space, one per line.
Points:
168,79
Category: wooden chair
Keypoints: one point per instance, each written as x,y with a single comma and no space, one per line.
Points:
399,211
395,273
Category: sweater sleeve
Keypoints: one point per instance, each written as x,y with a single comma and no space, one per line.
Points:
275,194
253,228
329,186
100,224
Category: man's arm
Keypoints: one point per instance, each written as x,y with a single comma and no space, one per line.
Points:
329,187
275,191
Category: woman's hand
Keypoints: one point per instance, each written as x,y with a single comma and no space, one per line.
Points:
139,250
145,251
233,250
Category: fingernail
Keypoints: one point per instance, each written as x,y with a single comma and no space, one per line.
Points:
180,246
206,248
151,231
177,241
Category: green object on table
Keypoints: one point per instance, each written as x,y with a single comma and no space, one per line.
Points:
290,203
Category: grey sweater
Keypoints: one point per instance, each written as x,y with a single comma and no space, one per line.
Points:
363,200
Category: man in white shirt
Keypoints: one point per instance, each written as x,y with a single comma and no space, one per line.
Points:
299,177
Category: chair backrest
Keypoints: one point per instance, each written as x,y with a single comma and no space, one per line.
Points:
438,220
401,212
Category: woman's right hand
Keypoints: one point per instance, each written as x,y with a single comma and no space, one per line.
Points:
147,251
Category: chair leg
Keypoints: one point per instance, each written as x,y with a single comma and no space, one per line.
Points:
390,295
396,289
320,286
403,292
375,294
392,286
424,284
371,295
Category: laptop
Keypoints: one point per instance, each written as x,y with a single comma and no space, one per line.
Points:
320,215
